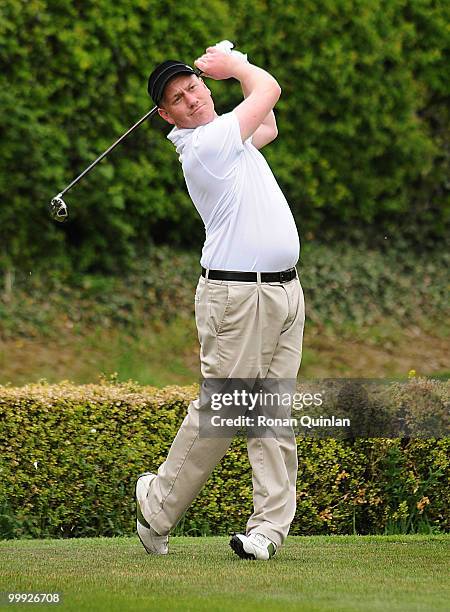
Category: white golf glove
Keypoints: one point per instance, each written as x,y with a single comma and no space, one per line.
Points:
227,47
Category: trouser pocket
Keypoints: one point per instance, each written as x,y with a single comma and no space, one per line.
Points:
218,303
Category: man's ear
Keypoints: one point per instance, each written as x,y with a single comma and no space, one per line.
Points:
165,115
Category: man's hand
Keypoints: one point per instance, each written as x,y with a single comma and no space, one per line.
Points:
260,89
218,65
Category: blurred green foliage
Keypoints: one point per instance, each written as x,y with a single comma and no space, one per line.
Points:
363,120
69,457
347,289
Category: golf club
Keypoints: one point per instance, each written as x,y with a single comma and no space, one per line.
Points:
58,208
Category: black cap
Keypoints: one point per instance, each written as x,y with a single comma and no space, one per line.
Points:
161,76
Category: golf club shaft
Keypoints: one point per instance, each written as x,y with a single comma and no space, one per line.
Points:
94,163
150,113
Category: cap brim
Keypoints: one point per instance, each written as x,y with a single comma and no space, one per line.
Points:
165,77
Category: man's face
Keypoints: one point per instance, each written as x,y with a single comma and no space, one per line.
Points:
187,102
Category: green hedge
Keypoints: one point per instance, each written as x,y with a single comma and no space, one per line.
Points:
69,456
363,119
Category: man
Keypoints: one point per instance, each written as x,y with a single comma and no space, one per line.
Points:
249,304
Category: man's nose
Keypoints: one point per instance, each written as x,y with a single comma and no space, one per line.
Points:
191,99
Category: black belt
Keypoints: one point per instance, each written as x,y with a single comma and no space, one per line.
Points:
251,277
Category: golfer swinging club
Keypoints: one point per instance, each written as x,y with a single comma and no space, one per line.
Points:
249,305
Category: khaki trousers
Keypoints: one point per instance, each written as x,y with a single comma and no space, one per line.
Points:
245,330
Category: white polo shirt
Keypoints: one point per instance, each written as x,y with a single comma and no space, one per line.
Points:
248,223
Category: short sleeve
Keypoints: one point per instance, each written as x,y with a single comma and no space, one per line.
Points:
218,145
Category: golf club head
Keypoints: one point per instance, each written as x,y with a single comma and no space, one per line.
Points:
58,209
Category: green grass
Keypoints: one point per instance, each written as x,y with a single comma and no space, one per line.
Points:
314,574
168,354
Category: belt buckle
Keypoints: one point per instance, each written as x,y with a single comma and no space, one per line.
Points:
284,276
